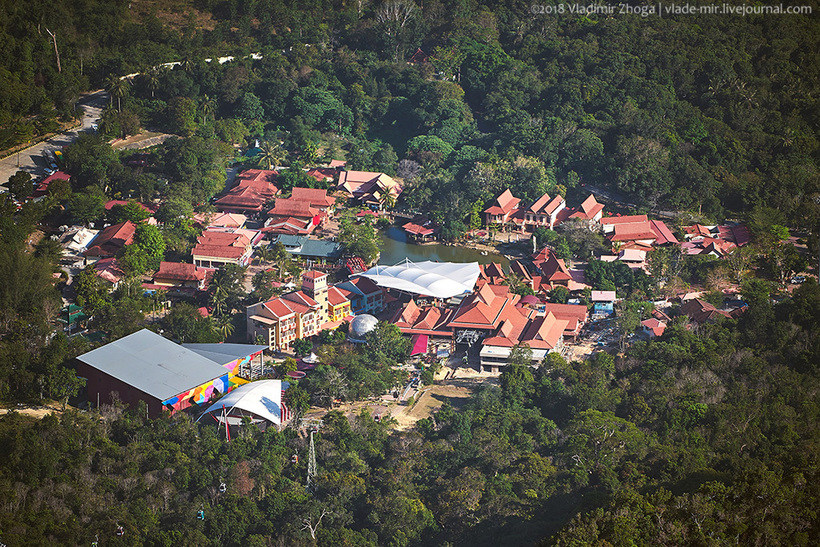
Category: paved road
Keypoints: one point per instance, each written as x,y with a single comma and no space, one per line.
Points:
32,160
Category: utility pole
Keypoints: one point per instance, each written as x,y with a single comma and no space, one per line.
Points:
311,473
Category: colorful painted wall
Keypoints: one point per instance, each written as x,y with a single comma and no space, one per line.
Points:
202,394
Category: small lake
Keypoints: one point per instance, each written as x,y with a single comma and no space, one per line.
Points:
395,248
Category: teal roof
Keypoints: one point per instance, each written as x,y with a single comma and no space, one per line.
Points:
304,246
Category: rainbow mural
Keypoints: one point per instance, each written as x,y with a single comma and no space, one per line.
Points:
202,394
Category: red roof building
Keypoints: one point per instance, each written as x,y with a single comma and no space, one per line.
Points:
368,187
217,248
253,190
545,212
553,270
280,321
653,327
428,320
180,274
42,187
316,197
502,208
590,210
110,240
109,270
701,311
663,235
575,315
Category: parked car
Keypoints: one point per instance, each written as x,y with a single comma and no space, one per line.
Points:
50,171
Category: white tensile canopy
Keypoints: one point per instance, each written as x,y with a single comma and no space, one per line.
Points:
258,401
436,279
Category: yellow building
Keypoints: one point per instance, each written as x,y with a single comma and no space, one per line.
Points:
338,306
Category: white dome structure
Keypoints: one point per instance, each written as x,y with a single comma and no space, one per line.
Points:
360,326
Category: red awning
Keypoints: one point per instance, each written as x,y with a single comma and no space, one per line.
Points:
419,344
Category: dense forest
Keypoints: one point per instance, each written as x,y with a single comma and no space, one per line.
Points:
704,436
710,114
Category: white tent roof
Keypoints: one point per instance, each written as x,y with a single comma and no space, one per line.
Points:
437,279
262,398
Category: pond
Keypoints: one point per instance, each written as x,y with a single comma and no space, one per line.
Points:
395,248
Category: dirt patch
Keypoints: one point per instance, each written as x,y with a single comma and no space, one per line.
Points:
38,412
456,390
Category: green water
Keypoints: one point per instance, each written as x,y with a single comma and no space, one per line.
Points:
395,248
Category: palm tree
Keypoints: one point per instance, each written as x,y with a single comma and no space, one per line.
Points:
271,155
224,326
208,107
152,80
117,87
388,199
219,301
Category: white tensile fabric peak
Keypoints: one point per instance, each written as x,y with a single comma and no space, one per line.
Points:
262,398
428,278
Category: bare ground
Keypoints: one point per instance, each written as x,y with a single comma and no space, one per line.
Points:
34,411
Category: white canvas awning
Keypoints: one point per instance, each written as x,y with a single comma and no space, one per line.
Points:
436,279
256,400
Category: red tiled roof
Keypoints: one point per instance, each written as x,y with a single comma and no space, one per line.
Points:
109,241
290,225
42,187
567,311
544,332
221,245
591,207
554,268
278,308
297,208
700,311
314,274
539,204
317,197
254,188
632,231
336,297
697,230
300,302
503,204
322,173
180,271
663,234
741,235
554,204
624,219
415,229
365,285
109,269
657,327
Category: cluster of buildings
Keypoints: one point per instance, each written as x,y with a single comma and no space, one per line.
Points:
316,306
546,211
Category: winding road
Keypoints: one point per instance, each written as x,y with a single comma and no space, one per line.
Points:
32,161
